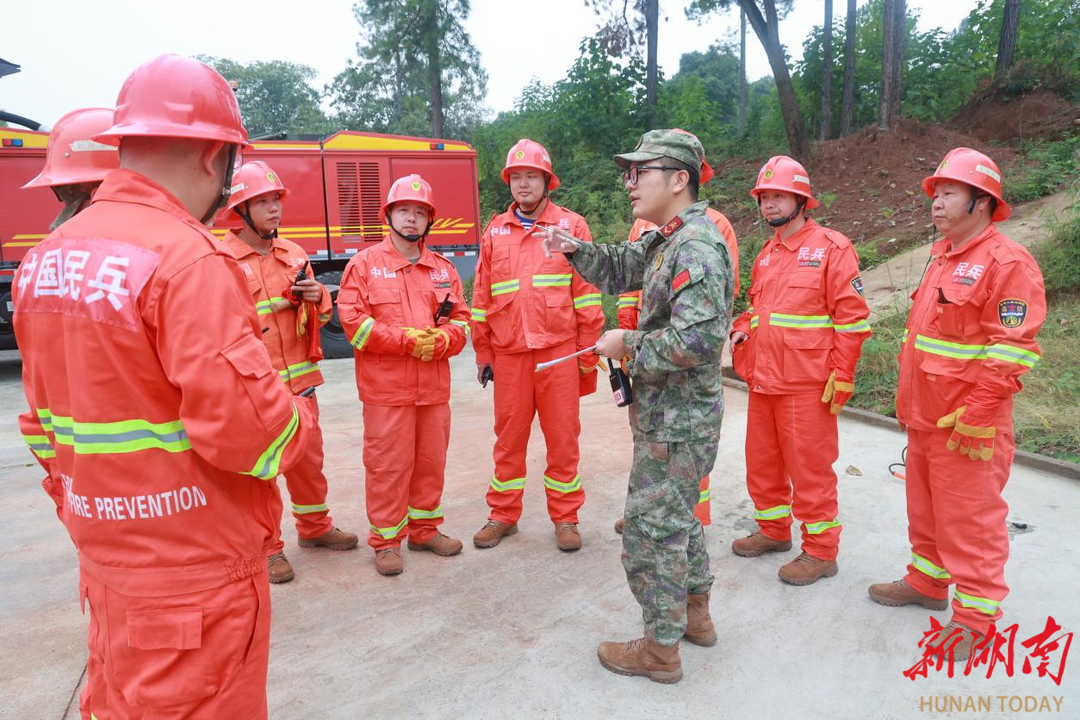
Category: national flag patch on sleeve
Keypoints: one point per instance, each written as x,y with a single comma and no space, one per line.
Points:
680,281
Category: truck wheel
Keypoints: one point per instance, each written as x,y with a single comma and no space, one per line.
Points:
334,342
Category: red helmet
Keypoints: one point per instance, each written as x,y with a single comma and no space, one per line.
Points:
72,157
174,96
411,188
972,168
529,154
785,174
252,180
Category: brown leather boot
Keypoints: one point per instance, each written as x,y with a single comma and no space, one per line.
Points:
567,537
758,544
642,657
699,624
898,593
388,561
333,539
619,525
492,534
279,569
965,639
807,570
439,544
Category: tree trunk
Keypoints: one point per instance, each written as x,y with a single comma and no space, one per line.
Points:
435,96
899,47
742,70
849,70
888,46
768,32
1007,40
652,28
826,74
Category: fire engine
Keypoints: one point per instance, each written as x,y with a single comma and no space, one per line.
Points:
336,187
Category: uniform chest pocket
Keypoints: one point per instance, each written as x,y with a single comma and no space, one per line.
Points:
802,293
386,305
500,262
954,314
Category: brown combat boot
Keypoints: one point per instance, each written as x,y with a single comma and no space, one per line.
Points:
492,534
965,639
333,539
758,544
388,561
699,624
898,593
439,544
642,657
807,570
279,569
567,537
619,525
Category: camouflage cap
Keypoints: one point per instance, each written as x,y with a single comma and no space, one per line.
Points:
670,142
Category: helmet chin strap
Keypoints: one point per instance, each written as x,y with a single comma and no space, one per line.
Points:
530,211
411,238
226,189
781,222
246,217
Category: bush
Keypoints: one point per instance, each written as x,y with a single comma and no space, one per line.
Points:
1044,167
1059,257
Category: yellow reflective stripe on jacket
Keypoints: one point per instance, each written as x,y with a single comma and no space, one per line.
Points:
860,326
561,280
479,315
626,301
499,486
957,351
123,436
589,300
302,368
265,307
1013,354
904,339
754,321
506,286
307,509
563,487
360,339
415,514
983,605
808,322
44,419
266,467
704,495
389,533
928,568
820,527
773,513
40,446
463,324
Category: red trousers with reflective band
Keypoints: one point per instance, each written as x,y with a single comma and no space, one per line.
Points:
404,464
520,394
307,493
791,445
956,524
703,509
202,654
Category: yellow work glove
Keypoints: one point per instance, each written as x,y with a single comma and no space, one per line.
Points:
441,338
837,392
977,442
420,344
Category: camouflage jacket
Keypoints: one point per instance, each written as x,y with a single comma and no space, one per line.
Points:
684,271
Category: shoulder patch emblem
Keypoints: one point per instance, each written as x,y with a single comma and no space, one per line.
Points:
856,284
674,224
680,281
1012,312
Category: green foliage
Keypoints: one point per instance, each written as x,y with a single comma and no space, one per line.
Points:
1044,167
1059,257
878,372
275,96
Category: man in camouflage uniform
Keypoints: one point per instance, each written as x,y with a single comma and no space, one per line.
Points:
684,270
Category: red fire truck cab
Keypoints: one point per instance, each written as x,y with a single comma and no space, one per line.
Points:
336,187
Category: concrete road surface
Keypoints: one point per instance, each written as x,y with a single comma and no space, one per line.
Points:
512,631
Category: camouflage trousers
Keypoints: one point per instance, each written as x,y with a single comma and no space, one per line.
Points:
663,544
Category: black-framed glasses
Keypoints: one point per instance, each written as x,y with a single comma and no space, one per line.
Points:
631,175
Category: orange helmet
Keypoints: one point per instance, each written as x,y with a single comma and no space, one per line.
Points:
72,157
252,180
174,96
972,168
411,188
529,154
785,174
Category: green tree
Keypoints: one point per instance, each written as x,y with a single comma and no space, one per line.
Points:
416,68
623,31
275,96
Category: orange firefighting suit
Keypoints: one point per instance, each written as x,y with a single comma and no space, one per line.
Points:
629,309
406,401
528,309
270,279
970,336
159,424
807,319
